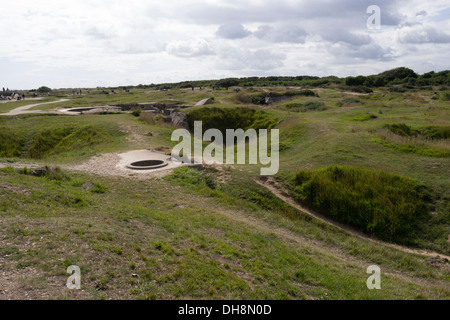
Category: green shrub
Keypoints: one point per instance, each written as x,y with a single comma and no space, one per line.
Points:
191,177
359,89
51,173
436,132
446,96
375,202
401,129
98,188
44,89
232,118
136,112
430,132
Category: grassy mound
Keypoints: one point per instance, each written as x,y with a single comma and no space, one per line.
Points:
232,118
59,140
11,143
375,202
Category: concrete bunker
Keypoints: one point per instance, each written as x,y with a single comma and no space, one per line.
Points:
80,110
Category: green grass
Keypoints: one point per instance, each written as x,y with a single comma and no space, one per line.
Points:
375,202
59,138
307,106
194,251
222,236
11,143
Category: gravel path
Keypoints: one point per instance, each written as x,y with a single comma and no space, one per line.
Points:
114,164
26,109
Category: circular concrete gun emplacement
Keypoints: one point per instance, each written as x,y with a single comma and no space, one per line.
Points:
147,164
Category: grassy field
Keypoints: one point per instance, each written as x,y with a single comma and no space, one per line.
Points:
216,234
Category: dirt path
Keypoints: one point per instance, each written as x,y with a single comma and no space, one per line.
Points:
277,190
321,248
25,109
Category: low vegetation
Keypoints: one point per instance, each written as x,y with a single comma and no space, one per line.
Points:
11,143
232,118
375,202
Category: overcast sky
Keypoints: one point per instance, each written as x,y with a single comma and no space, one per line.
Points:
80,43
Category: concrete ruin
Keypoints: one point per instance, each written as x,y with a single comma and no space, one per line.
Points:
204,102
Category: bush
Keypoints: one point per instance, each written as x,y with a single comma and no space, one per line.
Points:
375,202
232,118
397,74
136,112
50,173
191,177
436,132
401,129
44,89
98,188
355,81
361,89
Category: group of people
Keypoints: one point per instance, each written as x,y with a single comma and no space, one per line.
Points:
13,95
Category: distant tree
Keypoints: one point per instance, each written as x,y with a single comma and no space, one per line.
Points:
44,89
355,81
398,74
226,83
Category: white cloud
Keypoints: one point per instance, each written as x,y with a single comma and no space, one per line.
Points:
188,49
111,42
285,33
233,30
423,35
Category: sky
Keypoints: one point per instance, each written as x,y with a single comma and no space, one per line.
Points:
81,43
